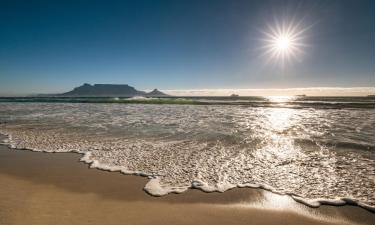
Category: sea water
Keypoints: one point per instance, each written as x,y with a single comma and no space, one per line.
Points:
316,150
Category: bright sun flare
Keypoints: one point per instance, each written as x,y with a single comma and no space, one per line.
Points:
283,42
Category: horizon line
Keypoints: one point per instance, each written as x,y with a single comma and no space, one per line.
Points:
309,91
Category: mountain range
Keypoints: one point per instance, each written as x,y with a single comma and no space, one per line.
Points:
117,90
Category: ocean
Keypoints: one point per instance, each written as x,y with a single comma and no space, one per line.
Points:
315,149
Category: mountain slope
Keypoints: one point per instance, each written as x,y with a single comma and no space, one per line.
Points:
118,90
156,93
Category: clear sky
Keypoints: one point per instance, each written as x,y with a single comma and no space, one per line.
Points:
53,46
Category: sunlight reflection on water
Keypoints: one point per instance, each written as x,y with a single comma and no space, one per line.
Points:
288,150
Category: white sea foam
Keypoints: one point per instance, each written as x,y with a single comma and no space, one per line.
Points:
212,148
140,98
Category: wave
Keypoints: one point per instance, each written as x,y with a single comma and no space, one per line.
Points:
297,102
309,154
337,144
154,188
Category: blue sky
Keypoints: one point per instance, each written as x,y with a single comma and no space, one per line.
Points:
53,46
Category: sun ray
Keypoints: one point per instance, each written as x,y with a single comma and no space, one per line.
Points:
284,41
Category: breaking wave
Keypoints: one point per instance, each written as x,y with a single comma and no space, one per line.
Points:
318,156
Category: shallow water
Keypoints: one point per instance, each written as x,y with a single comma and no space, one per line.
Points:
311,152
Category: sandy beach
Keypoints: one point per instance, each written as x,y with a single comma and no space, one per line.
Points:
187,112
46,188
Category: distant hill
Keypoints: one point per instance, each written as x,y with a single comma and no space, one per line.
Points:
118,90
156,93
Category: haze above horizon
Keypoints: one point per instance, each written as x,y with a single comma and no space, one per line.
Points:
189,47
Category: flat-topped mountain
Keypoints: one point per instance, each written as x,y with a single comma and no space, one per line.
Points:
118,90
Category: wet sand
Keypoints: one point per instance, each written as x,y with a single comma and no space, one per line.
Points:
55,188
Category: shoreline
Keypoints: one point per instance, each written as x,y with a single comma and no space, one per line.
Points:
6,139
59,185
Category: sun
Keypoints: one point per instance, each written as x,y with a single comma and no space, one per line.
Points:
284,42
